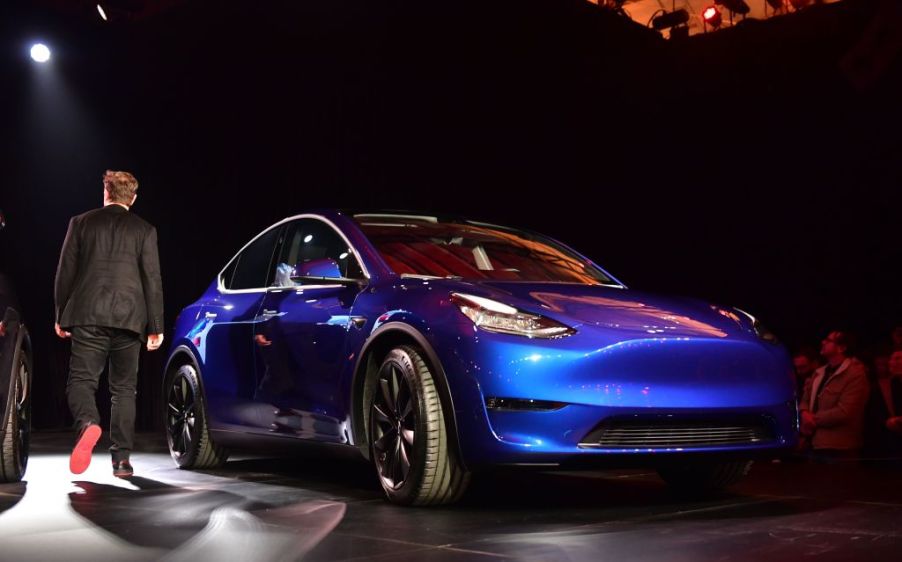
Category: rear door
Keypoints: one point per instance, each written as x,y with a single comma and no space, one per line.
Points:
227,340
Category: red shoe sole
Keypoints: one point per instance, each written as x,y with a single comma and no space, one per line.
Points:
81,454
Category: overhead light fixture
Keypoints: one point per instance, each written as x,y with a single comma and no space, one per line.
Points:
711,16
735,6
101,12
670,19
40,52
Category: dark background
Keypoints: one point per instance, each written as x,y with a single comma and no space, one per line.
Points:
744,166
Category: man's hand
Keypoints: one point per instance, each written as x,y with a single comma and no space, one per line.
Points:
808,424
154,341
894,424
61,333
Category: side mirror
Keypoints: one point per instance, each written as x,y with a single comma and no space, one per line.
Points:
324,270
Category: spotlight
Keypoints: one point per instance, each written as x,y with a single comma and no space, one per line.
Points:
101,12
712,17
670,19
40,52
735,6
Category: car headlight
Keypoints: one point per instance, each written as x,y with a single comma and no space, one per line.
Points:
494,316
758,327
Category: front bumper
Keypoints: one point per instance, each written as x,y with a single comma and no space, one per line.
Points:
653,381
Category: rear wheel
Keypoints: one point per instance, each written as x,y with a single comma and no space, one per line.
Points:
187,430
704,477
17,425
408,432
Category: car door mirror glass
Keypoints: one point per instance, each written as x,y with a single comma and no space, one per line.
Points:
326,268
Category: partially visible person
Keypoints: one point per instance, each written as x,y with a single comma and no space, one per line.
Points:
892,393
109,299
805,362
896,337
832,407
883,417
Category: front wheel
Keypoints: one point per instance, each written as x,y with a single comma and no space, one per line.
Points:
187,430
408,434
704,477
17,425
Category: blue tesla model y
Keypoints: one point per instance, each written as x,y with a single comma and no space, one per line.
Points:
438,347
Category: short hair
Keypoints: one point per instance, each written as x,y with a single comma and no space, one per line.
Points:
848,340
121,186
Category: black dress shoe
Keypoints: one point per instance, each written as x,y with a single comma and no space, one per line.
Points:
123,468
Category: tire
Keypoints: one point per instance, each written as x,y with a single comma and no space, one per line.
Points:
17,425
707,477
408,434
187,431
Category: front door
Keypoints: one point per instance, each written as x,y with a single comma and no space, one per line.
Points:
301,337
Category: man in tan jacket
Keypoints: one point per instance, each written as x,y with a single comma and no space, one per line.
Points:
832,407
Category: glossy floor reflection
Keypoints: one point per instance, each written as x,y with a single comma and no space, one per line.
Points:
313,508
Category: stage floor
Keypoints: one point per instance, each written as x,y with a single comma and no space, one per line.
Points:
330,509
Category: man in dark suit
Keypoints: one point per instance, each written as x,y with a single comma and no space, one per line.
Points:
109,299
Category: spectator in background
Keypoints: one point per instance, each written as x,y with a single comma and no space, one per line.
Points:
832,407
883,417
893,393
896,336
805,362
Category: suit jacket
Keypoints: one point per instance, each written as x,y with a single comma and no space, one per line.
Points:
839,410
109,273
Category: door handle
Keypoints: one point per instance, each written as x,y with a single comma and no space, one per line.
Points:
209,315
268,312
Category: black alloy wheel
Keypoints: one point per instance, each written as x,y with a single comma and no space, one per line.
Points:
394,426
409,438
187,431
181,414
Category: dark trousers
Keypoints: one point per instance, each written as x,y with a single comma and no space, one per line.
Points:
92,348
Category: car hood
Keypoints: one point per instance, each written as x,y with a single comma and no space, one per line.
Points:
617,309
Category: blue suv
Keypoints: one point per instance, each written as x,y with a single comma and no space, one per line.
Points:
438,347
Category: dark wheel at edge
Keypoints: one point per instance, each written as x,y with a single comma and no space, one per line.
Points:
408,434
17,425
187,432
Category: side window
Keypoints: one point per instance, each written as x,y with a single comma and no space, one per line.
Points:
312,239
250,269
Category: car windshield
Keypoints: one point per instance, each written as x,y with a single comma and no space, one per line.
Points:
426,246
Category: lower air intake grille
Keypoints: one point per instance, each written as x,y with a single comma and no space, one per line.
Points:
620,434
